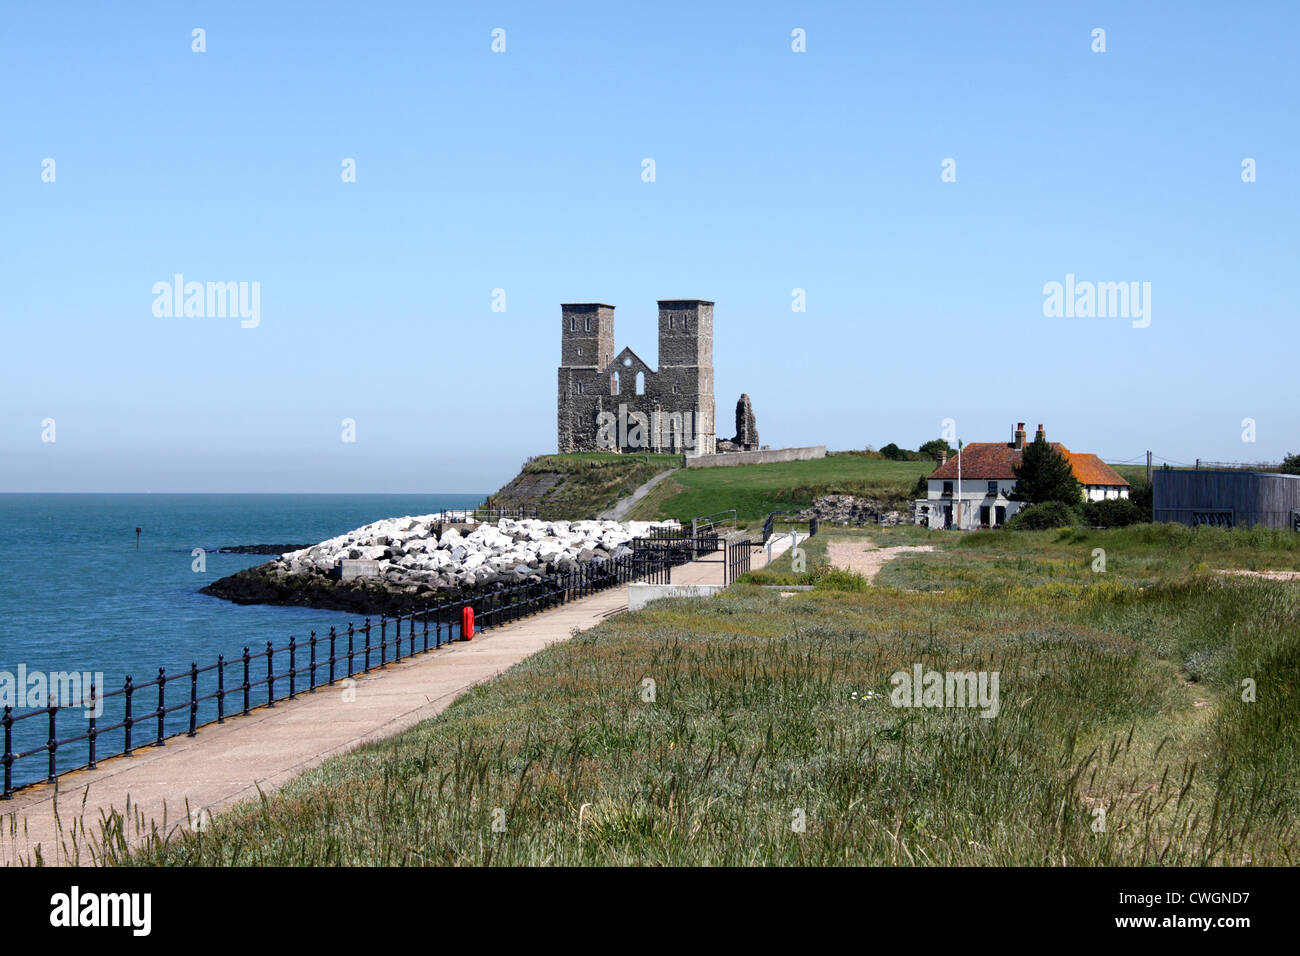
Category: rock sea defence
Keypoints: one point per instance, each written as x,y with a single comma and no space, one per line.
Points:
400,564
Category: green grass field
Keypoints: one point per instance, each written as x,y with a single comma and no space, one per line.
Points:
757,490
771,738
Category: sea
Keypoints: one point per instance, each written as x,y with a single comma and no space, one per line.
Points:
79,593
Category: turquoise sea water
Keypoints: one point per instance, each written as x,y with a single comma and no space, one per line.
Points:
75,594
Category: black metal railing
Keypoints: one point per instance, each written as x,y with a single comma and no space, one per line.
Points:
769,524
255,679
708,524
738,558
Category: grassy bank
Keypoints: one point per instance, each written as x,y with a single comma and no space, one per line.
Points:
569,487
1119,691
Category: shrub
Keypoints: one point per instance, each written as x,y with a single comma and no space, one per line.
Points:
1113,513
1050,514
825,578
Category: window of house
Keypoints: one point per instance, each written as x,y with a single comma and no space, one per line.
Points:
947,487
993,488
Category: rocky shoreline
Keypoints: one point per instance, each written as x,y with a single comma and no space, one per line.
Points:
401,564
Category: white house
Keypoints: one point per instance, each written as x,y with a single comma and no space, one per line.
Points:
988,478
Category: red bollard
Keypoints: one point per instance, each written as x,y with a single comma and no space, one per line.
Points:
467,623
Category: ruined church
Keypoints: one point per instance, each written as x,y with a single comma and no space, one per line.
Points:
611,402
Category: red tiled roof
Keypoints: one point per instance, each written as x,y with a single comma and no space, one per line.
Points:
986,461
1091,470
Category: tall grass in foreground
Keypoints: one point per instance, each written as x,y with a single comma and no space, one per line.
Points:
1121,736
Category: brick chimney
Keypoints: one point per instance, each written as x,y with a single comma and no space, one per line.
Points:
1019,436
943,457
1040,435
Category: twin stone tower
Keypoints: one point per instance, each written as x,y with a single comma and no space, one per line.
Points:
611,402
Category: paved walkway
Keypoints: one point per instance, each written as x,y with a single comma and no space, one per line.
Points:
228,763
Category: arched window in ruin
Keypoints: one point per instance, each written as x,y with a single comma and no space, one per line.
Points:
613,384
640,383
573,323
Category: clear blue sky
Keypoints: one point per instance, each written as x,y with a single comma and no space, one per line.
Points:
522,170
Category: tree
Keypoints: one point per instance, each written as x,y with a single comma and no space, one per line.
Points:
1044,475
1291,464
893,452
936,447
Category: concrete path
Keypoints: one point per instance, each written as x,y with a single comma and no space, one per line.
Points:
228,763
620,508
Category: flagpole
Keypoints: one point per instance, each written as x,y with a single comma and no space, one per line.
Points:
958,484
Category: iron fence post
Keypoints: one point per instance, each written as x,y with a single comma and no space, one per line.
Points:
53,744
162,703
91,734
194,698
9,754
127,721
221,688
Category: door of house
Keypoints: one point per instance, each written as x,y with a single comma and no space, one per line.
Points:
984,515
947,517
1001,514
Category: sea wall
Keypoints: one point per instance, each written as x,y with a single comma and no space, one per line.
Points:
757,457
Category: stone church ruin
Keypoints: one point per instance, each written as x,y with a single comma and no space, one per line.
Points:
611,402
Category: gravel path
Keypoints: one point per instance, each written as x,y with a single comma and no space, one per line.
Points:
862,555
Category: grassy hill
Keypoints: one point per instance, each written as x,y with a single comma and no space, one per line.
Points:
584,485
